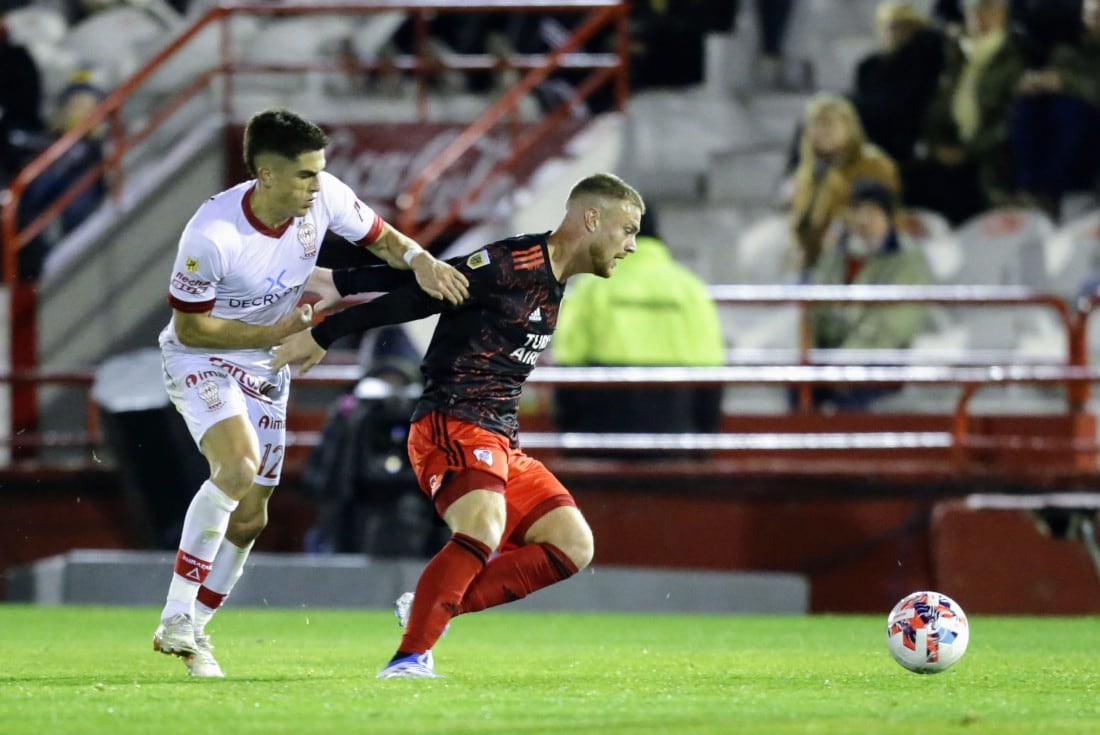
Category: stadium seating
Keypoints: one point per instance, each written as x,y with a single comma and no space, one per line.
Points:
115,42
765,252
1071,256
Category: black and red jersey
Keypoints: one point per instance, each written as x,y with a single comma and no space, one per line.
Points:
482,350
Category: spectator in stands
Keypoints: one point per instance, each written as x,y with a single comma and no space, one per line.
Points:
77,10
20,103
869,249
1055,131
1046,24
668,39
75,103
948,14
772,18
894,86
657,312
833,152
967,164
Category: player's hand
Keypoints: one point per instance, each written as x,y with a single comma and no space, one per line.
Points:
300,318
440,280
320,283
297,348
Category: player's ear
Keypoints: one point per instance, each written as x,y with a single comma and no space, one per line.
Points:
591,219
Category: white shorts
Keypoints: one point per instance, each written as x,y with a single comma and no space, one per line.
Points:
207,389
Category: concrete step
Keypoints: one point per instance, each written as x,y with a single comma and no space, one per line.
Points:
93,577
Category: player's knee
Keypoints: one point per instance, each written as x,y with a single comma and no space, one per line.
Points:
482,520
235,476
576,542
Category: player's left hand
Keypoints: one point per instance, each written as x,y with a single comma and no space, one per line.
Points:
297,348
440,280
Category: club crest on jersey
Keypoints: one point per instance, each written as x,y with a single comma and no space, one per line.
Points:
192,264
307,235
434,482
478,259
208,392
485,456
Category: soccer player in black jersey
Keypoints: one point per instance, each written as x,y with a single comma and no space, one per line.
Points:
463,439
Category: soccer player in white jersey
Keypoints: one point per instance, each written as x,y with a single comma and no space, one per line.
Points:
244,261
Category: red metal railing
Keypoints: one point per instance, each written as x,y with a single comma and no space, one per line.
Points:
960,438
122,139
1072,320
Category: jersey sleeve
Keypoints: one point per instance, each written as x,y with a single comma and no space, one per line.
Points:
408,303
350,218
199,267
370,278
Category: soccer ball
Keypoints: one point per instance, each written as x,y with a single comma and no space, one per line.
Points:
927,632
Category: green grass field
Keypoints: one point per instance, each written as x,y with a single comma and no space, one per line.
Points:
65,671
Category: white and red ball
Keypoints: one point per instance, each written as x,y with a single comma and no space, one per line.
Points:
927,632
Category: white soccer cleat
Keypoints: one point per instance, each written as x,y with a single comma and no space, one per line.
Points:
413,666
203,664
176,636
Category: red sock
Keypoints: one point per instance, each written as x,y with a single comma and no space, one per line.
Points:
440,589
516,574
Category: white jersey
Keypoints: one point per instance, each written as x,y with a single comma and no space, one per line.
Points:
232,265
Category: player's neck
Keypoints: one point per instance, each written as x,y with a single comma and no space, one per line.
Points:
560,255
262,209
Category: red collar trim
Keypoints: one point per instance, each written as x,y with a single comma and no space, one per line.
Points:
246,205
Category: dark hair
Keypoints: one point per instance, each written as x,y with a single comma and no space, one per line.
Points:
609,186
281,132
872,191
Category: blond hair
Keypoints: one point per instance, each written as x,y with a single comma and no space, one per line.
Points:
829,103
606,186
889,12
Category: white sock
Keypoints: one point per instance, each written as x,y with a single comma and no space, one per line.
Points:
227,569
203,530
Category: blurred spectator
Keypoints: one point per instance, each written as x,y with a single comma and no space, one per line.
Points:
894,85
668,39
20,102
869,249
654,312
833,152
967,163
772,18
1046,24
75,103
1055,129
948,14
77,10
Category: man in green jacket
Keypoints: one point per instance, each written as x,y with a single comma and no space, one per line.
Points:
869,250
658,312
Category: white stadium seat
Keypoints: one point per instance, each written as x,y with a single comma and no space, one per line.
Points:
1071,256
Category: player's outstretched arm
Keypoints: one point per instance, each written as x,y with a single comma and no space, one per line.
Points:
209,332
437,279
308,346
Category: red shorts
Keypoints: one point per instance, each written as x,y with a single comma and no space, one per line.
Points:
441,446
